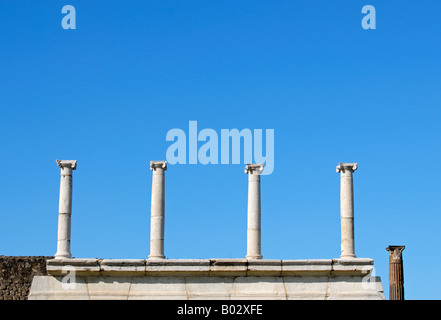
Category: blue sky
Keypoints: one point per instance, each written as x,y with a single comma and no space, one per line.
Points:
107,93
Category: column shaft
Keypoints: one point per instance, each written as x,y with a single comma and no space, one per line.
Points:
157,210
65,209
254,212
396,274
347,209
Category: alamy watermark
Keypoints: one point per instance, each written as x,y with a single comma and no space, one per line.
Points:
369,281
369,20
243,142
69,280
69,20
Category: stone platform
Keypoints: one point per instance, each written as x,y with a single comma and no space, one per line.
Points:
226,279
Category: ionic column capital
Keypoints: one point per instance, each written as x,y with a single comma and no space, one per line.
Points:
253,168
395,252
342,167
71,164
158,165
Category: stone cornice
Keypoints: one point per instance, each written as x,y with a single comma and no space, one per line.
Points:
209,267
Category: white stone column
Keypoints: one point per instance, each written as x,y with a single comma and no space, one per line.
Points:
157,210
65,208
254,214
347,209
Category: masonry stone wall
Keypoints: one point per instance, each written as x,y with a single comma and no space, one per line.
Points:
189,279
16,274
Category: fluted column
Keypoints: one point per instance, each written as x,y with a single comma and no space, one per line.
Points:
65,208
347,209
254,213
396,275
157,210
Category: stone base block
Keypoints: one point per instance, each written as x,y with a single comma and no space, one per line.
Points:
226,279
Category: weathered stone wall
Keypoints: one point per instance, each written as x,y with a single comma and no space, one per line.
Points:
16,274
235,279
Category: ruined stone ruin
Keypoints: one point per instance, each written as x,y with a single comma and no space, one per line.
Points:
252,277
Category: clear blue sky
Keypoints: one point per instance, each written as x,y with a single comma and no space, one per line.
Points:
107,93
